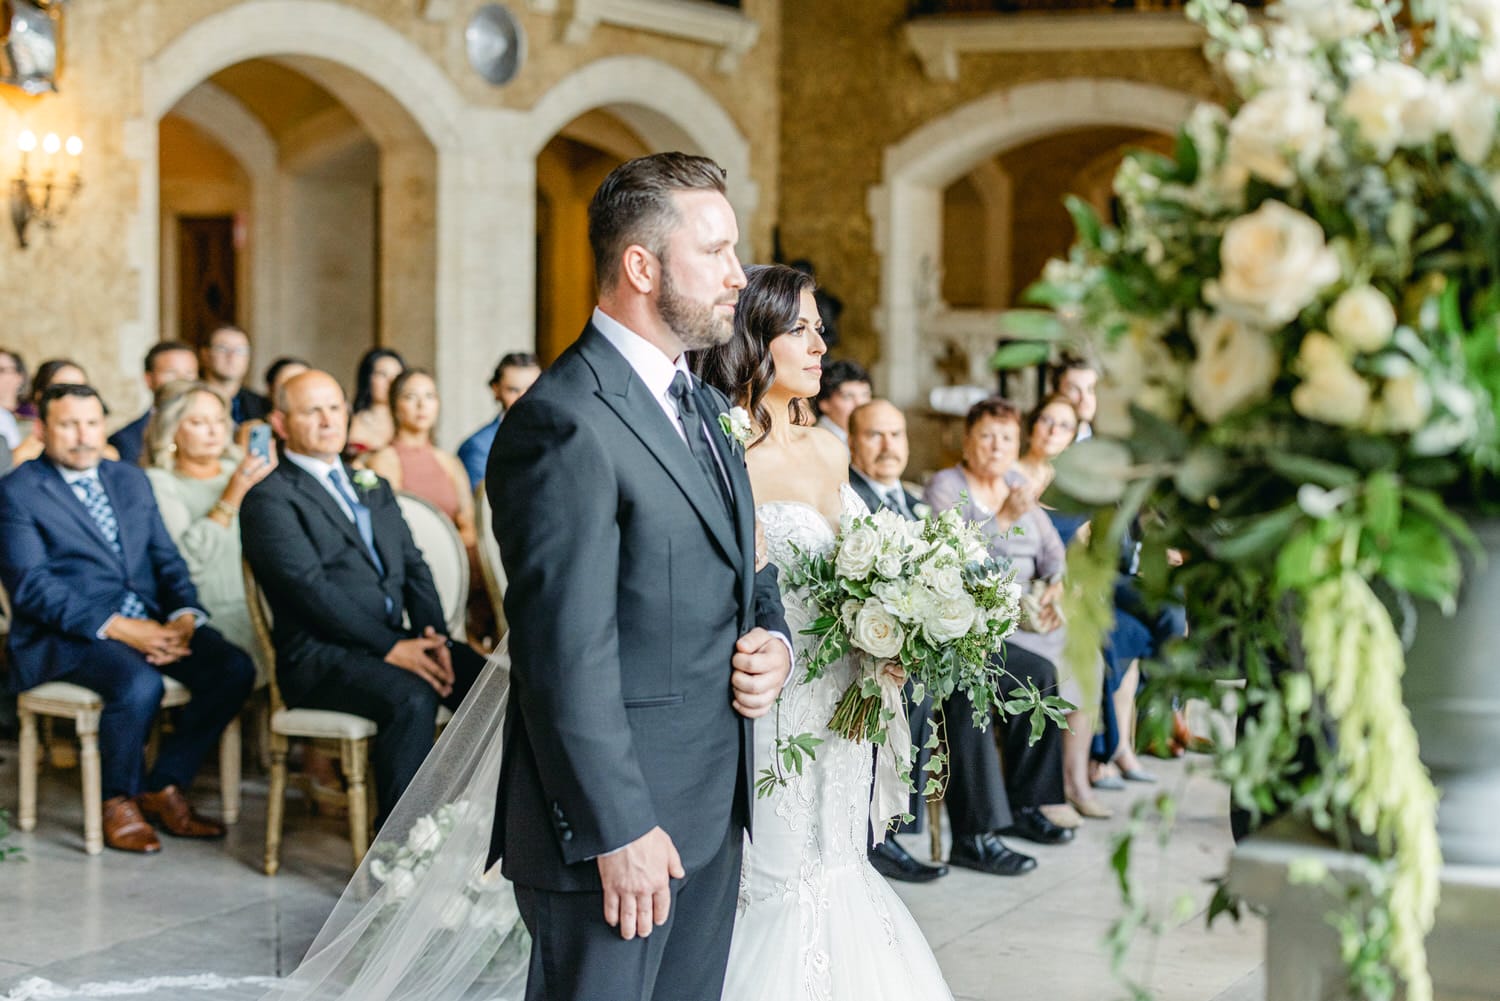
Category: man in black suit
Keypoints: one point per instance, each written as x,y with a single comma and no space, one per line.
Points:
339,569
642,638
167,361
101,598
226,362
878,452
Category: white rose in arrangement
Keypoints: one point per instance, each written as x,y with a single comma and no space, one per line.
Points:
1326,20
947,583
1236,365
1331,391
1404,405
1477,17
1274,262
1427,114
424,836
397,878
1362,319
889,565
1377,103
857,553
876,631
950,619
1278,133
1474,112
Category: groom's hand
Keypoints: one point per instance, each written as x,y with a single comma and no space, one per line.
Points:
761,663
637,883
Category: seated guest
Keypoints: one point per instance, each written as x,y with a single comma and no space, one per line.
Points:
1077,379
12,386
1035,775
340,571
53,372
1050,429
226,360
843,386
200,480
372,427
280,370
101,598
513,376
877,458
167,361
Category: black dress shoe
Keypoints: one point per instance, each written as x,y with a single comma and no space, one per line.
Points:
894,862
1031,824
987,853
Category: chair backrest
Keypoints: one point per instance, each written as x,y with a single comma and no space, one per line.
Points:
260,625
443,550
489,558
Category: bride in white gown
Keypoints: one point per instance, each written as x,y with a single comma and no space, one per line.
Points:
815,921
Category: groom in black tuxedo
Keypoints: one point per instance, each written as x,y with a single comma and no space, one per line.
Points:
642,641
339,568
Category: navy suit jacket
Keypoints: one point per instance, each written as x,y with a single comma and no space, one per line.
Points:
130,440
65,580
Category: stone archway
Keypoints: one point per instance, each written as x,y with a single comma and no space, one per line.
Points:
907,206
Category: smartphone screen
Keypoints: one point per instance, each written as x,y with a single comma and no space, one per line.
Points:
260,441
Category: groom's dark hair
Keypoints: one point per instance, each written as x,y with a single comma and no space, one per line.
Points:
634,206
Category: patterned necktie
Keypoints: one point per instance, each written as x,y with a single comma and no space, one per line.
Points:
361,516
692,426
103,513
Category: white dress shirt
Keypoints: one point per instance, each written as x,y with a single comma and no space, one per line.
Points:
10,428
319,470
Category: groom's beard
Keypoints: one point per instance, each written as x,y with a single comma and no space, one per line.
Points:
697,326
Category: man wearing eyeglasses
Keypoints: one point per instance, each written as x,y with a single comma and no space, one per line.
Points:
226,359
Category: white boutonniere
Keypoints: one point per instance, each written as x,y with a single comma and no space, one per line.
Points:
736,424
922,511
365,479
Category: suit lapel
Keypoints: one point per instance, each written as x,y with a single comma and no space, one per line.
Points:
624,393
384,540
68,501
324,501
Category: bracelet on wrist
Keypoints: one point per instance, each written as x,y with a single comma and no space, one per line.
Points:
228,510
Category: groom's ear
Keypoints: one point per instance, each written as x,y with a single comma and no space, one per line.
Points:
640,269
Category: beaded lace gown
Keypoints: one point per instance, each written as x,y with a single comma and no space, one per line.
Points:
815,921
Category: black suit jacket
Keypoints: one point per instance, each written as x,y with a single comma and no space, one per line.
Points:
130,440
874,501
248,405
326,595
65,580
629,585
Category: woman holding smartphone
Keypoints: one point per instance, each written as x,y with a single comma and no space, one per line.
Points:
199,478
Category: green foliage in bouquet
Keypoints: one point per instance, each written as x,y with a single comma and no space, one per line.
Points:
1298,319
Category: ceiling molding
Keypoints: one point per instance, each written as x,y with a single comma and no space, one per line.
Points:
939,41
730,31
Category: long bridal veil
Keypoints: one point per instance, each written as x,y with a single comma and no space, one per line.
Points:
422,920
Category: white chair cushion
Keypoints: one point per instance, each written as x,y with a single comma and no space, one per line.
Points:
63,691
321,723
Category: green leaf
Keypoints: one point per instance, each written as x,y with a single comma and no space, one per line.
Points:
1296,565
1257,537
1307,469
1095,471
1031,324
1085,220
1020,354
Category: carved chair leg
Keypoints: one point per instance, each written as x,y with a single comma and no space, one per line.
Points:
93,795
30,764
355,754
275,803
229,771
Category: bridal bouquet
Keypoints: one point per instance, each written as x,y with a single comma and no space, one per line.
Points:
1298,316
910,599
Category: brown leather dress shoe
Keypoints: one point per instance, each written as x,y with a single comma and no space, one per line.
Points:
125,829
171,810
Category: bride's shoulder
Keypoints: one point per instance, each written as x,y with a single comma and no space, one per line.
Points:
826,445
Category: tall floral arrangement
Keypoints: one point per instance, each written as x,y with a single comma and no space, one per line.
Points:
1298,315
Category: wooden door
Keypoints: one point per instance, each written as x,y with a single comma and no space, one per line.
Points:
207,296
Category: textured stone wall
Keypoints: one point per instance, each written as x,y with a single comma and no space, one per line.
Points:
77,290
850,87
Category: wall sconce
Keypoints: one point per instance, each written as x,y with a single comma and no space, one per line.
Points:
42,197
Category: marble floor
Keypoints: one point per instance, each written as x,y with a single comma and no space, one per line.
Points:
199,908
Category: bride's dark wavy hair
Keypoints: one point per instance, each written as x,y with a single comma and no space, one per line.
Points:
742,368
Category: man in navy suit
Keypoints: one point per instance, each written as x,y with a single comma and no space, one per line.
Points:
167,361
101,598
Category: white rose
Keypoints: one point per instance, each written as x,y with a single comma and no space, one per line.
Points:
1362,319
1327,20
1473,128
455,912
1404,405
1428,113
1236,365
1276,134
1331,391
1274,262
947,583
424,836
400,881
889,565
950,619
876,631
1377,102
857,553
1477,17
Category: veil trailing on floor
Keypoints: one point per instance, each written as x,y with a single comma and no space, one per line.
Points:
422,920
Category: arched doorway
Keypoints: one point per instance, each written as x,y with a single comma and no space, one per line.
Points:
962,158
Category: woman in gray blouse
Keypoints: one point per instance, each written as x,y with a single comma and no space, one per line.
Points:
199,478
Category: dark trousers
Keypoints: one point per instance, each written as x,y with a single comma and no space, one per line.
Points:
403,706
575,956
979,797
220,676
